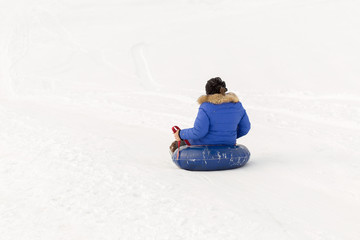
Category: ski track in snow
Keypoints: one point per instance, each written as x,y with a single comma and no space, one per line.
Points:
87,158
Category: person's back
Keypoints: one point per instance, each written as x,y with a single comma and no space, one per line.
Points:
221,118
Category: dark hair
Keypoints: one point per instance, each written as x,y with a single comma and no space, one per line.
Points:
215,85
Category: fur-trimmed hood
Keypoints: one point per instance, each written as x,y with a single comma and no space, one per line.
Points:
218,98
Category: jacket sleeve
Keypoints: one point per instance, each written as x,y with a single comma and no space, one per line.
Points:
243,126
200,129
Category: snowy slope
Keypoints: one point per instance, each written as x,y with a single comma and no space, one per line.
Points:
90,89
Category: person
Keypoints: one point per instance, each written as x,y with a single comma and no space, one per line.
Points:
221,118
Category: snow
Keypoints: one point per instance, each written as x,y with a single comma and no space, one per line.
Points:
89,91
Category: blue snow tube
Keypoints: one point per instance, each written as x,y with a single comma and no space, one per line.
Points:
211,158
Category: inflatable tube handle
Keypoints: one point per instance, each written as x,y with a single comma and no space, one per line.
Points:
175,129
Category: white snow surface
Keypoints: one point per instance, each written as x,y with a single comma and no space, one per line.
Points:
90,89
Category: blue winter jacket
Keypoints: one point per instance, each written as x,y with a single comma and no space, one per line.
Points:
220,120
